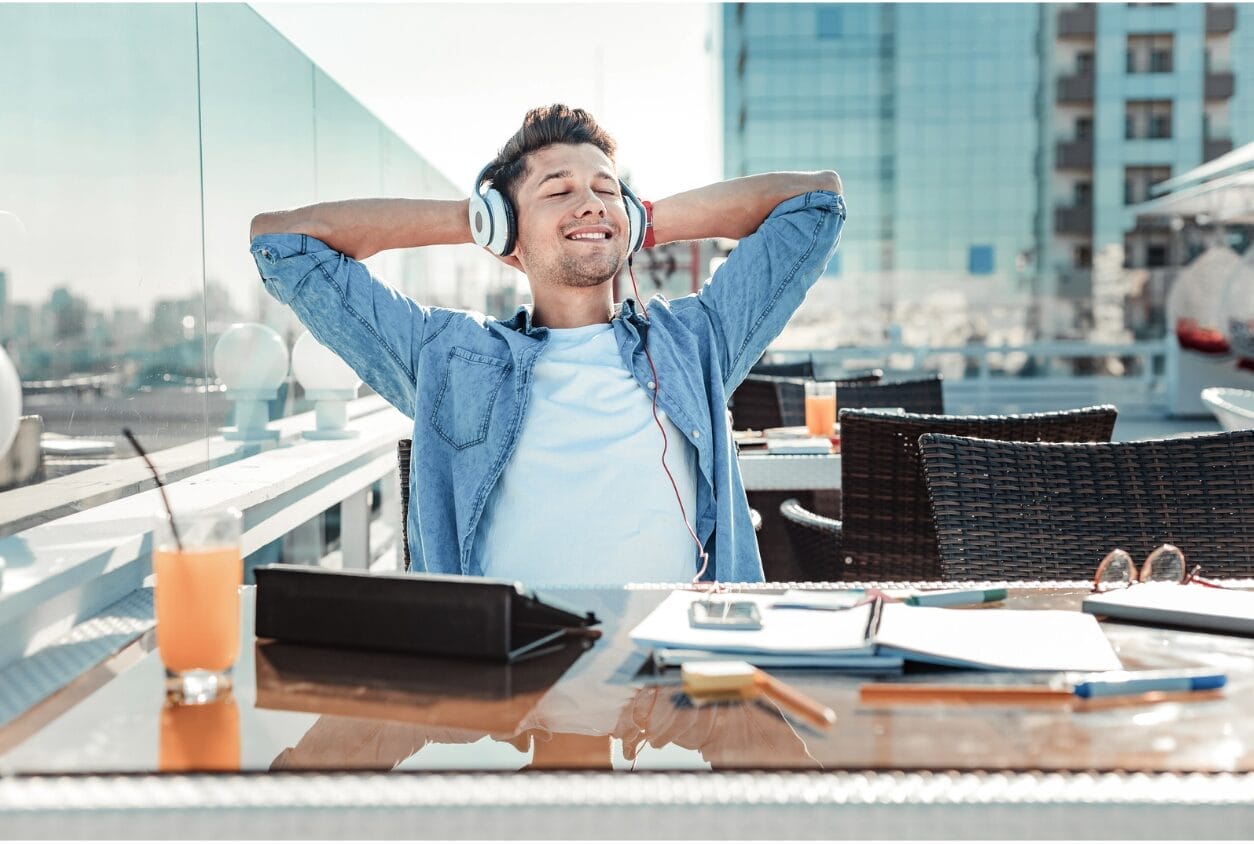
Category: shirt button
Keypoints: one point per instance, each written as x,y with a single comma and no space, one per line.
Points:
652,386
696,435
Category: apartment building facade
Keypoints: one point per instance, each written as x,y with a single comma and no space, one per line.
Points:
993,148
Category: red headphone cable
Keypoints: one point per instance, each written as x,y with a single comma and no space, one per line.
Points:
657,387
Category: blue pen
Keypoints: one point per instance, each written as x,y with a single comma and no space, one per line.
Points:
1110,683
956,597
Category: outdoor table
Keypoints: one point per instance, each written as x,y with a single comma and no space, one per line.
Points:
762,472
587,741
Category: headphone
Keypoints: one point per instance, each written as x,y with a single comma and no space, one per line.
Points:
494,223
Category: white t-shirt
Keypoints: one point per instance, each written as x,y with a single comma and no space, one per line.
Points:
584,499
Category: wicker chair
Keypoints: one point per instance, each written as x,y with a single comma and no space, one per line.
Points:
769,401
1044,511
922,395
799,369
402,458
403,448
886,531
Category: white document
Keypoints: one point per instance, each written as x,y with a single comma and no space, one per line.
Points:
1013,640
784,631
1201,607
854,663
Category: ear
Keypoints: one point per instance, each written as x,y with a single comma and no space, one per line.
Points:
511,261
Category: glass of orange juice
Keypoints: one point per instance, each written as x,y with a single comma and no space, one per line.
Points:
198,568
821,408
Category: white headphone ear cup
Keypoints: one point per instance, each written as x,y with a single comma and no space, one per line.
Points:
501,217
636,219
480,220
510,225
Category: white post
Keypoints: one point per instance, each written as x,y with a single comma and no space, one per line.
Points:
355,530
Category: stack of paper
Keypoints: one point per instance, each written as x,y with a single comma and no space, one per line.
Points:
1200,607
873,637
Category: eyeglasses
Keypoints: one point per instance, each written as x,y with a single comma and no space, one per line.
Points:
1165,564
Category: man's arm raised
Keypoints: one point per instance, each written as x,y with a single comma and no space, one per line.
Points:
361,227
734,208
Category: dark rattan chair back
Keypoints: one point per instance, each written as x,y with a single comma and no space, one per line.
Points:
757,403
1052,511
886,531
797,369
921,395
402,460
769,401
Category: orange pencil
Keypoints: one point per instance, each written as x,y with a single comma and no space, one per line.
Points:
921,693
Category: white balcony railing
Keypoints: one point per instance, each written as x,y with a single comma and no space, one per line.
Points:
64,572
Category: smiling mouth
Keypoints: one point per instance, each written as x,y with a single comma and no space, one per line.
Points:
593,237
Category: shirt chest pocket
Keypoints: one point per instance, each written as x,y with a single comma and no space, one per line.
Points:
463,406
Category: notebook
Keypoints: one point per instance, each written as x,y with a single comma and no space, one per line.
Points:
1198,607
1002,639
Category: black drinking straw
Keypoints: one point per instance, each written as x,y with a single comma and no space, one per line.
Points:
126,432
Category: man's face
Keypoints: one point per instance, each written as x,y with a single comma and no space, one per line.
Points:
572,225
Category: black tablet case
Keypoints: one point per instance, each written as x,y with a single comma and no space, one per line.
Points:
444,615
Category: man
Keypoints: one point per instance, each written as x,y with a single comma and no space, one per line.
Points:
536,452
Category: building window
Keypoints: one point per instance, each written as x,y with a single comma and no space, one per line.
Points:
1147,119
830,24
1156,255
1150,53
1082,257
980,260
1137,181
1084,128
1083,63
1083,194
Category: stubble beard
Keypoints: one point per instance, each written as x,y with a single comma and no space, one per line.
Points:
569,270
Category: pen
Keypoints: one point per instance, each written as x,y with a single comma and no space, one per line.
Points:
937,693
1124,686
1109,683
903,694
956,597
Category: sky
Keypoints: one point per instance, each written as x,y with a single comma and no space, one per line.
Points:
454,80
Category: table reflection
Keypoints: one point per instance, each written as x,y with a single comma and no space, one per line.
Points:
200,736
377,710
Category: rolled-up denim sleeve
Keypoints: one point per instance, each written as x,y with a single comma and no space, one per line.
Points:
755,292
375,329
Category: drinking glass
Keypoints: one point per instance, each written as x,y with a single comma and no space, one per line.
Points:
198,568
821,408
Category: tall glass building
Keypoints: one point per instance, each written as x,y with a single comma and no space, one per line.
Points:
989,151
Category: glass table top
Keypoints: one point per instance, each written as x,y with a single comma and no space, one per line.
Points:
599,705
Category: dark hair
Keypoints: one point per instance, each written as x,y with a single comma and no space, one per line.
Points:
543,127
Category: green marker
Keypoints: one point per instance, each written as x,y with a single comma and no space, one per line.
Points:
956,597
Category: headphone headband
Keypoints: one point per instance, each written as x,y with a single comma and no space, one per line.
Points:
494,225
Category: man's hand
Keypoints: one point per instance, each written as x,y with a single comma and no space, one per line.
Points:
362,227
734,208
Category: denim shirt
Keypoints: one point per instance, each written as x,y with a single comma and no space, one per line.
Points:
464,378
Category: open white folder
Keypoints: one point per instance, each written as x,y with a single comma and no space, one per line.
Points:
1015,640
1192,605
